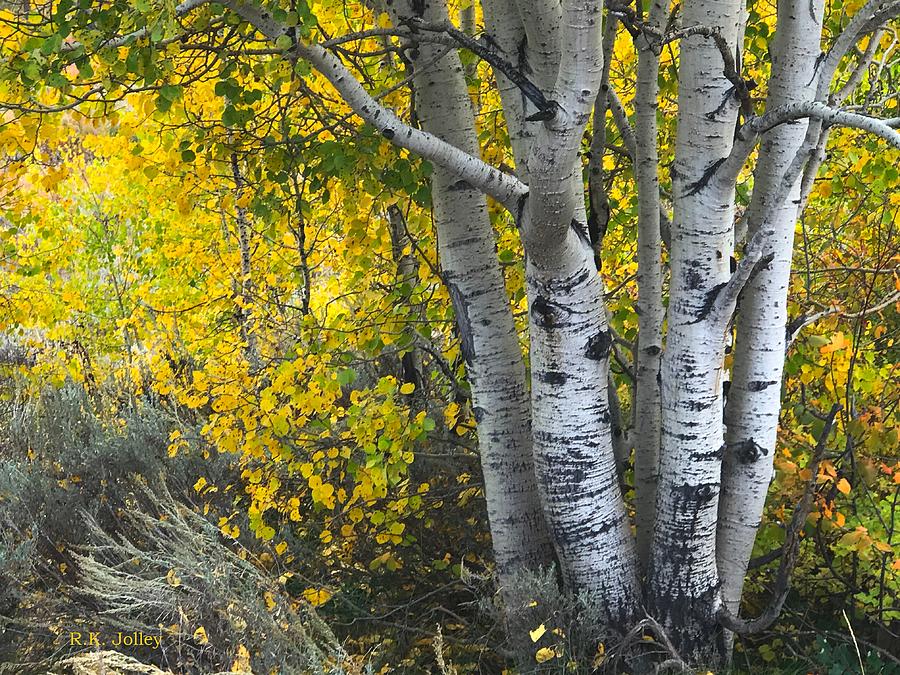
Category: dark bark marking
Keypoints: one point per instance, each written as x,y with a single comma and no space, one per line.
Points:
552,377
698,185
598,346
546,313
388,133
693,279
582,231
715,454
459,186
760,385
749,451
479,414
463,324
709,301
520,210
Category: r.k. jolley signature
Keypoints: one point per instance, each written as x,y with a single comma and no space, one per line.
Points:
120,639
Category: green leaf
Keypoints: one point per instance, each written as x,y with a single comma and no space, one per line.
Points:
346,376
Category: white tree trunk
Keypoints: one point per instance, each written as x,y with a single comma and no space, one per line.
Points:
494,363
754,399
683,580
573,443
570,342
650,311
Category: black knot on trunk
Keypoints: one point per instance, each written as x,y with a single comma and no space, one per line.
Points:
543,312
597,347
750,451
552,377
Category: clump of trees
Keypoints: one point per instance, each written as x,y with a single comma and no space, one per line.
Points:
625,273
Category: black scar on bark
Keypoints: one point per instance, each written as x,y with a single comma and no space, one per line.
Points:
699,405
553,377
388,133
520,210
544,312
459,186
693,279
716,454
749,451
463,324
582,231
759,385
598,346
478,413
653,350
700,183
696,494
708,302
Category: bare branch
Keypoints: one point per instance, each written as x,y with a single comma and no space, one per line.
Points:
797,325
826,114
725,301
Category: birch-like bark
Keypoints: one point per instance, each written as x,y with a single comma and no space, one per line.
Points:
683,580
754,399
494,363
647,407
472,273
574,456
570,340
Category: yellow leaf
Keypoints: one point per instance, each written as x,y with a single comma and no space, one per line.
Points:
838,342
600,656
270,600
241,662
200,484
384,21
200,636
537,633
172,579
544,654
408,388
316,596
843,486
281,548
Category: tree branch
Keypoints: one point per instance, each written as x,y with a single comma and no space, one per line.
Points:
725,300
503,187
826,114
804,320
483,50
